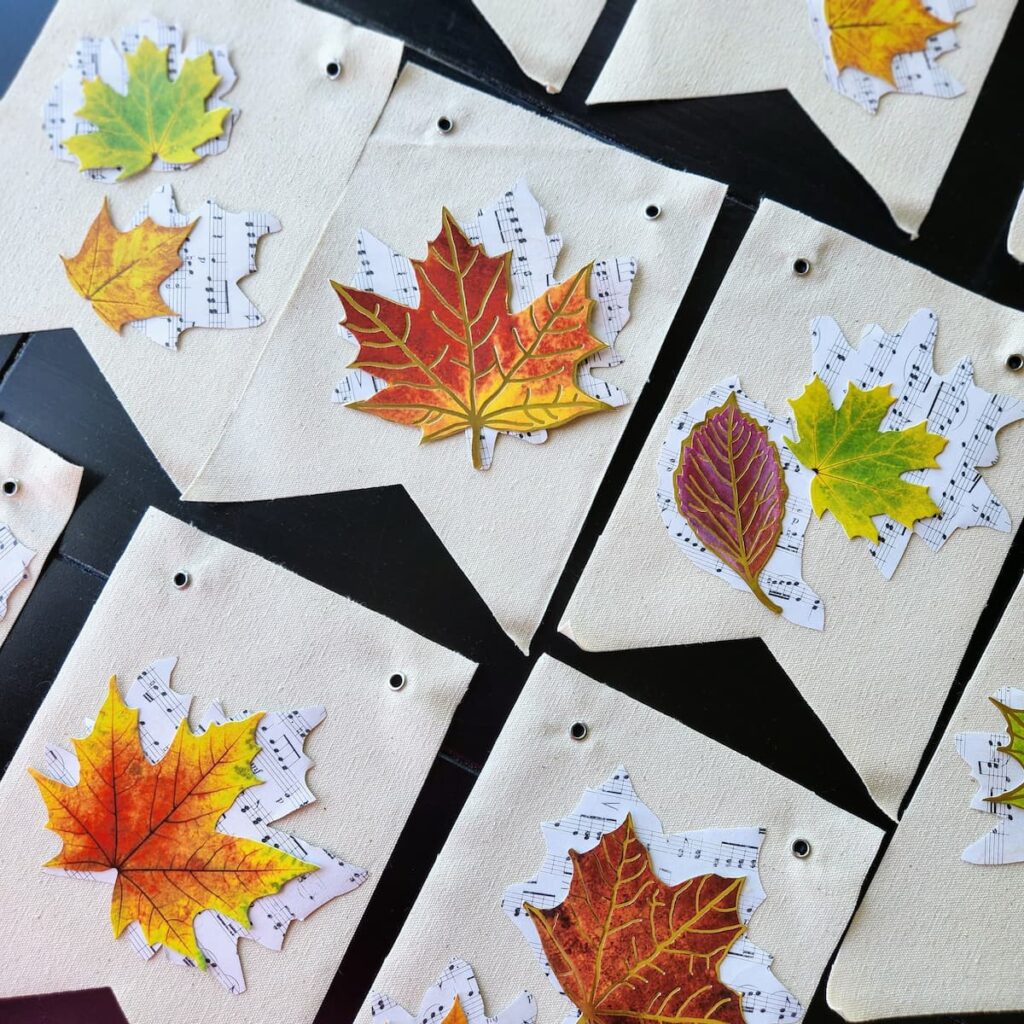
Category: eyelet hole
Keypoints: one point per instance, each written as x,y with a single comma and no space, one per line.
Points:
1015,362
445,125
181,579
801,267
801,849
396,681
10,487
578,731
652,211
332,69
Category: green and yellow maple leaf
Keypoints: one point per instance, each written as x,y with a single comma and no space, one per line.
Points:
857,467
1015,748
156,117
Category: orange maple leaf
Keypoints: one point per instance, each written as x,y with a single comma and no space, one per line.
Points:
462,359
627,947
867,34
155,825
120,272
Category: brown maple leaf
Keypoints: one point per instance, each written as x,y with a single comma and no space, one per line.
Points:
867,34
462,359
626,947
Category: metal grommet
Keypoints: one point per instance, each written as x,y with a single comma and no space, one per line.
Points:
1014,361
801,267
578,730
397,681
333,69
445,124
801,848
181,579
10,487
652,211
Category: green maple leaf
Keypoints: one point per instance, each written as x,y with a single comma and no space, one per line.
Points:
1015,748
154,118
856,466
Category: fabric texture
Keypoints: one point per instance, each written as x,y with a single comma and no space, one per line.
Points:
681,49
298,135
537,773
956,926
254,635
38,512
1015,239
878,673
511,528
544,36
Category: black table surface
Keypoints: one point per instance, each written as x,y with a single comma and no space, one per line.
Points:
761,145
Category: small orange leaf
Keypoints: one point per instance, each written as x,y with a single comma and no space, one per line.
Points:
155,824
456,1015
626,947
867,34
120,272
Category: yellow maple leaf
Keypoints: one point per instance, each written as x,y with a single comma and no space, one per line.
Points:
155,824
120,272
867,34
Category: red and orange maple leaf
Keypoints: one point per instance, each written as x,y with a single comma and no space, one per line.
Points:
626,947
155,824
463,359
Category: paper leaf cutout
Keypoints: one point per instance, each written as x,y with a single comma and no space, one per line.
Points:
674,859
14,559
874,47
952,405
857,466
867,34
780,578
454,999
623,944
218,251
513,391
731,490
156,117
120,272
280,768
995,761
104,60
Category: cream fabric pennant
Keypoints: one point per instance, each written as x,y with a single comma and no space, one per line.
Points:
250,634
32,517
1015,239
878,672
941,909
537,773
298,134
544,37
510,528
682,49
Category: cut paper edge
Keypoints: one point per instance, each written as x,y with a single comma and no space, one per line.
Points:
14,561
516,222
729,852
782,578
456,981
996,773
105,59
281,767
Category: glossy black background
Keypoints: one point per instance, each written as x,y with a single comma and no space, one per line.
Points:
761,145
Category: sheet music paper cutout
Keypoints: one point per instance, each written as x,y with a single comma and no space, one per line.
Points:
456,980
219,251
729,852
281,765
918,72
103,58
518,222
995,773
781,579
953,406
14,559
